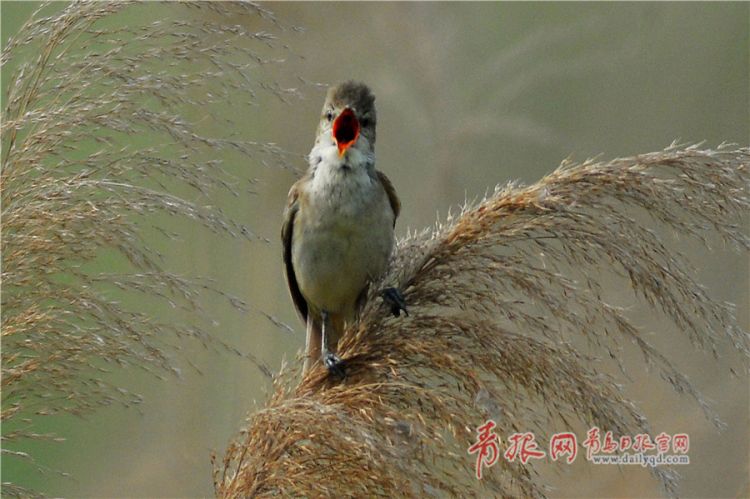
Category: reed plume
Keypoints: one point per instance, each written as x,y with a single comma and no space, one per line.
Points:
100,145
500,297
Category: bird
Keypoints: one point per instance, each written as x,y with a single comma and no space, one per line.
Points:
338,228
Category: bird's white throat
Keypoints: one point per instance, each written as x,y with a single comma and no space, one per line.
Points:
338,177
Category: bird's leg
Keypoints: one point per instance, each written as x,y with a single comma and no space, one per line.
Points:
332,361
395,300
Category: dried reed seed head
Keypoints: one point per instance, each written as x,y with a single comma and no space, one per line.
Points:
488,329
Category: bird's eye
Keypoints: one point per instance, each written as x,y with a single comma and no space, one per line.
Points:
329,116
365,122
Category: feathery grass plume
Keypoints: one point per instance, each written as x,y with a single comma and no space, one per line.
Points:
497,296
101,143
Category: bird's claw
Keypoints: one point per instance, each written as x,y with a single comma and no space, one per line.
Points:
334,365
395,300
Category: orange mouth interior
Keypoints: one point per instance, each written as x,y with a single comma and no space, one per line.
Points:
345,130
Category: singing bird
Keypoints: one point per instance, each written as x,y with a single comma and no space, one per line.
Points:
338,224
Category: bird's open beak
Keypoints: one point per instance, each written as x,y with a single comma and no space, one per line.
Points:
345,130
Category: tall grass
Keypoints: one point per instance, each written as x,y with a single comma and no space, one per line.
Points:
102,141
497,297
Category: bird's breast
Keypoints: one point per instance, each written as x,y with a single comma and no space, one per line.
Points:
343,237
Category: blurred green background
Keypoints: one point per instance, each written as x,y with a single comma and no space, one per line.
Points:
468,95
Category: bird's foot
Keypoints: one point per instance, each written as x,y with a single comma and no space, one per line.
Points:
395,300
334,365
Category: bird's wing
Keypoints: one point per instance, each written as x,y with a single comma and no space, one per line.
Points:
290,212
392,197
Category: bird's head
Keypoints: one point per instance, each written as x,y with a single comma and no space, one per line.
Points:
348,118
